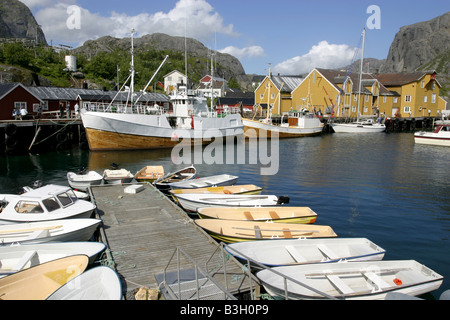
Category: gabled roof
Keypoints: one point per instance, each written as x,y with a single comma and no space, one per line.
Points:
287,84
174,71
402,78
6,88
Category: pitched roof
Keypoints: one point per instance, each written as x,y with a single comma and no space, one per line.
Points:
401,78
289,83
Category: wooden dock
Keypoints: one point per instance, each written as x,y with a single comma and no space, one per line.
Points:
144,230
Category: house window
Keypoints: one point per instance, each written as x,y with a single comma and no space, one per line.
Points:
261,96
354,109
407,109
367,98
433,98
395,100
425,99
20,105
272,96
422,84
366,109
384,99
408,98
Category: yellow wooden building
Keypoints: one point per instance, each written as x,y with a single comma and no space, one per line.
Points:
275,91
383,95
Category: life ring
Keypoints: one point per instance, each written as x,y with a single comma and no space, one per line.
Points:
11,129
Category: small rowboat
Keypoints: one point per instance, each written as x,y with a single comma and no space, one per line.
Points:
212,181
306,251
230,231
49,231
353,280
118,176
39,282
187,173
100,283
193,202
82,181
149,174
275,214
249,189
15,258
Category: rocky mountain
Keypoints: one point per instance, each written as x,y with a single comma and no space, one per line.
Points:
17,22
227,66
416,45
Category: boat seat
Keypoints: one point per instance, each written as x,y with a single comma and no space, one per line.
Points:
38,234
24,260
339,284
197,185
274,215
295,254
376,280
328,252
248,215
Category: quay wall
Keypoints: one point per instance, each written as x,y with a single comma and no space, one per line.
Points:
21,137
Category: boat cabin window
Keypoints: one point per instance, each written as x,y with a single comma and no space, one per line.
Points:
28,207
51,204
65,198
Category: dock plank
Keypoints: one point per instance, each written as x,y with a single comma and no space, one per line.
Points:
143,231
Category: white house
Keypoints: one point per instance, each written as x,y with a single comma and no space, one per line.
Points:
220,86
173,79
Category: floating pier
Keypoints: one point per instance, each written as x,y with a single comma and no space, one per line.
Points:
152,243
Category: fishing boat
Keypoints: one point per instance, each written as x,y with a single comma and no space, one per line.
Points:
49,231
51,202
359,126
100,283
149,174
38,283
354,280
130,125
184,174
193,202
302,215
230,231
211,181
306,251
439,137
83,180
117,176
15,258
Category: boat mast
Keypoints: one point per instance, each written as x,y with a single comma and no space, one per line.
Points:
268,97
132,67
212,80
360,71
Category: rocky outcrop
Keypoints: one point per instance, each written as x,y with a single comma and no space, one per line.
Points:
418,44
17,22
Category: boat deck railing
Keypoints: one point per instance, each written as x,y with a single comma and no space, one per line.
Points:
184,279
286,278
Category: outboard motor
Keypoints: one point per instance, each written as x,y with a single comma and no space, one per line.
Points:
282,200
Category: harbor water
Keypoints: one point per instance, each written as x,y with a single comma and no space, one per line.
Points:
382,187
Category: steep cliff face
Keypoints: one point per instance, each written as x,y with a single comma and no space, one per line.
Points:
416,45
17,22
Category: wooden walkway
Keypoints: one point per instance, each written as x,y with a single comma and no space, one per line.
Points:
144,230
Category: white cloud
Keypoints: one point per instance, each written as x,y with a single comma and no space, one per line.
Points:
249,52
322,55
197,17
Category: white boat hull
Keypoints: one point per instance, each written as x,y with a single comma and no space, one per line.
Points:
84,181
100,283
434,139
213,181
120,131
19,257
310,127
352,281
192,202
51,231
306,251
357,128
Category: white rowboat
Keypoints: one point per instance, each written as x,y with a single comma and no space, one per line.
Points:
351,280
15,258
306,251
83,181
100,283
49,231
212,181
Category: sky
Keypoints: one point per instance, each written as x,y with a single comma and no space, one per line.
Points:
292,36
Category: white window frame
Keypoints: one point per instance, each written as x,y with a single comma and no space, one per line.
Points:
425,99
18,105
433,98
407,98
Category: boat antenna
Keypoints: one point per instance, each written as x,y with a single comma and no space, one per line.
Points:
132,66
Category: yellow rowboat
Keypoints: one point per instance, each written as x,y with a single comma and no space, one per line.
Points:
40,282
303,215
249,189
149,174
230,231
